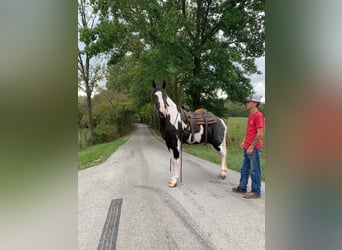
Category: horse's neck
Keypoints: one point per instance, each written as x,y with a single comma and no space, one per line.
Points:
171,103
172,113
172,110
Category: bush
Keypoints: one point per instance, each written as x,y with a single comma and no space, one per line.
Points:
100,137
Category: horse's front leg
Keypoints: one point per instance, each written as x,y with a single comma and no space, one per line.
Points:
172,169
175,162
174,177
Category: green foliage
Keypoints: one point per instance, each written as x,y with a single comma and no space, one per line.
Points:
236,109
112,114
262,108
200,47
145,114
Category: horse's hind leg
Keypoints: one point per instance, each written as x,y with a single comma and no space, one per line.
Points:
222,152
223,173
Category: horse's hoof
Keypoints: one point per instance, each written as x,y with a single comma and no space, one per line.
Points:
222,176
172,184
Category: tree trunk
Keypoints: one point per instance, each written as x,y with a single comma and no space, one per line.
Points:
90,118
178,91
196,100
196,91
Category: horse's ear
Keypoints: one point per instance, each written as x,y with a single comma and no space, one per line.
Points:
164,84
154,84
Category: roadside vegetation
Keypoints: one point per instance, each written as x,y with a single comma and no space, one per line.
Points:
97,154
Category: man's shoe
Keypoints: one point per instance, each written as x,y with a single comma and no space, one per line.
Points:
251,195
237,190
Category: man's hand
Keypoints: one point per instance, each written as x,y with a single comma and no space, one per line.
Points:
243,142
250,150
260,135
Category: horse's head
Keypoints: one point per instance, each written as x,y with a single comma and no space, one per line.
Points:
159,98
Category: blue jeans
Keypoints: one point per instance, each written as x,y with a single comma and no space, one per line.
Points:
251,166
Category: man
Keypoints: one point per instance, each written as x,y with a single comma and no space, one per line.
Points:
252,145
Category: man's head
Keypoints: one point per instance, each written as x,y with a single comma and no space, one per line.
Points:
253,100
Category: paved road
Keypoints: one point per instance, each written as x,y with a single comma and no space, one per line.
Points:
200,213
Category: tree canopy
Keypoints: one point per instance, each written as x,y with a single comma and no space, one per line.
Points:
204,47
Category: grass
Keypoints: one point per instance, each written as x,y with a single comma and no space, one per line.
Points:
236,132
96,154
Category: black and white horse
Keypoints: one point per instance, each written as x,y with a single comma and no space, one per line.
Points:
173,127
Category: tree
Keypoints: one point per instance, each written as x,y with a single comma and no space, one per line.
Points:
202,46
112,115
88,73
81,105
236,109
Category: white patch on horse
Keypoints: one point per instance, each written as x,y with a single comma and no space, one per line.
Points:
161,102
173,112
196,138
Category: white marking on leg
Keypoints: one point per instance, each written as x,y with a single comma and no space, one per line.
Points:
176,169
173,180
173,169
223,153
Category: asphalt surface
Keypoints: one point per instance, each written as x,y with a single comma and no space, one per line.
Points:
200,213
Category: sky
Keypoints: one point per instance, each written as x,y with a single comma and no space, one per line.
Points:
258,81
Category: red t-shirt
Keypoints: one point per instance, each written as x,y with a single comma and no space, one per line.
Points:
254,122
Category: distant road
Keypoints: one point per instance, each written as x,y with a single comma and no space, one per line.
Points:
127,201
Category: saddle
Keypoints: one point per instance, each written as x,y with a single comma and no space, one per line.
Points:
199,117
